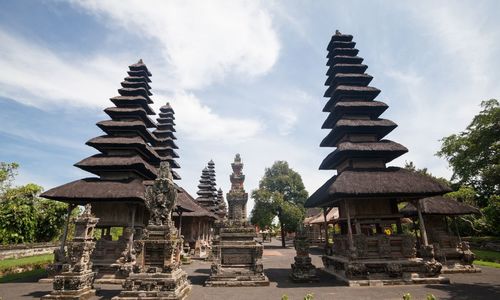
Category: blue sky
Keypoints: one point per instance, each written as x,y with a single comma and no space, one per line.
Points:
243,77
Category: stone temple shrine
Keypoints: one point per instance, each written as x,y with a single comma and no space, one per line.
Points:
370,247
237,256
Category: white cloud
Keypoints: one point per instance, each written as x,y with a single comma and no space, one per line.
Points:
34,75
204,41
199,122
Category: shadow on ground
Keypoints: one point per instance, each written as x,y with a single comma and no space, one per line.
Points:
281,277
459,291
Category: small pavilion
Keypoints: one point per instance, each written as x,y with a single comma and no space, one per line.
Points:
449,249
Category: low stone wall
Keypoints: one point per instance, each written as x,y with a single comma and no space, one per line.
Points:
492,244
24,250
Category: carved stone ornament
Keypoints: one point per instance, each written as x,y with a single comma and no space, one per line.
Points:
161,197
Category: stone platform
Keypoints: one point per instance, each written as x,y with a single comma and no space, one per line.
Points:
382,272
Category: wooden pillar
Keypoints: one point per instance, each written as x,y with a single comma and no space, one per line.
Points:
132,227
423,232
349,229
325,224
65,234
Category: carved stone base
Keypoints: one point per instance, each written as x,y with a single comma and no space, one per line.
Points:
156,286
452,267
83,294
237,277
70,285
303,270
380,272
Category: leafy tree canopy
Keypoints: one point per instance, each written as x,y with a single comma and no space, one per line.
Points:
474,154
24,217
281,194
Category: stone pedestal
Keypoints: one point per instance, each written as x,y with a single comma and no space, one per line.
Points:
76,278
303,270
237,258
160,276
157,274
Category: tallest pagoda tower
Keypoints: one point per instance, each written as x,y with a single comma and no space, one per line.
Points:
371,247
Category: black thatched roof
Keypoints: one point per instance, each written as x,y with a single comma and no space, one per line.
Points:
350,92
440,205
132,92
105,143
127,101
100,163
384,150
378,127
187,202
347,79
94,189
136,84
372,183
165,137
372,109
113,127
130,112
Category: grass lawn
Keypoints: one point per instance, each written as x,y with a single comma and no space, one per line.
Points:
487,258
18,262
37,273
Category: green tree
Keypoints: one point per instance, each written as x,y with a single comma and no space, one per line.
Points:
474,154
24,217
281,194
18,222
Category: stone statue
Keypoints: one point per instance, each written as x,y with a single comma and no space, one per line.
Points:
160,275
161,197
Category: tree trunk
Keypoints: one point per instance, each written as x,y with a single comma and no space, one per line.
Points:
282,233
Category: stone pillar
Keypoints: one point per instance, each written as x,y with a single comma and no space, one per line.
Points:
76,279
302,270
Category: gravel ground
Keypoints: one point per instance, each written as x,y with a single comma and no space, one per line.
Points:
485,285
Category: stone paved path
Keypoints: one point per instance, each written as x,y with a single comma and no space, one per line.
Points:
277,262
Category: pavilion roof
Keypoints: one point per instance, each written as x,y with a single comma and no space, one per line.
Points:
440,205
372,183
94,189
100,163
196,210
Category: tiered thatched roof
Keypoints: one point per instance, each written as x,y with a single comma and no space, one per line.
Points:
207,196
165,135
126,159
357,132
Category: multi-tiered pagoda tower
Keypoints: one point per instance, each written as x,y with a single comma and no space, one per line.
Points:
127,162
371,247
237,256
207,195
165,145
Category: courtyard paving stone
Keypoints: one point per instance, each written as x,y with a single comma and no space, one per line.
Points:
485,285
